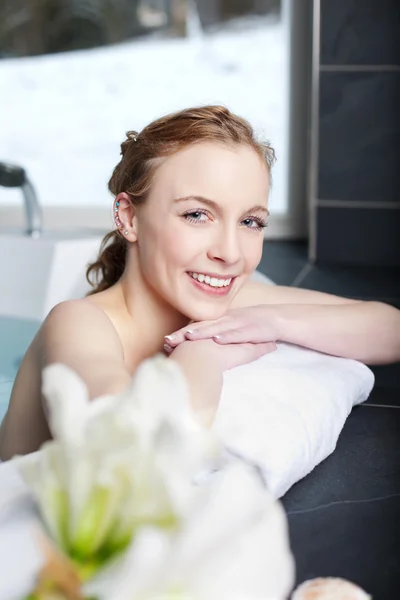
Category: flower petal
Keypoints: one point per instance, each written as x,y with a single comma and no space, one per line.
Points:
237,546
43,473
67,400
141,572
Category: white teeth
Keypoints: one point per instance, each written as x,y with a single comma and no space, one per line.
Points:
212,281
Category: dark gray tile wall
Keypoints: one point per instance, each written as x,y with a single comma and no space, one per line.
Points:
359,132
358,236
355,208
360,32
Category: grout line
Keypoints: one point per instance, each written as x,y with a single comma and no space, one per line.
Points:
302,275
322,506
359,68
372,204
378,405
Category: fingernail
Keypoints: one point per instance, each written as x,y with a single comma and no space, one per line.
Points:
169,337
167,348
216,337
189,331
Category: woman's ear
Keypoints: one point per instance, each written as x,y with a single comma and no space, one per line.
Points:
125,217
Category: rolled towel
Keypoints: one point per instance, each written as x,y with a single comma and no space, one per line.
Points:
286,410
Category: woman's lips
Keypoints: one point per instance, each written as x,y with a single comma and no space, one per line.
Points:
208,289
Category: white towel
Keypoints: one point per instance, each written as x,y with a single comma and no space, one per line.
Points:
286,410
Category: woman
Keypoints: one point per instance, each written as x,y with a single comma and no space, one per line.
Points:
190,207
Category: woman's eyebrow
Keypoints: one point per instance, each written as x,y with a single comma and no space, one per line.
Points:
217,207
259,208
207,201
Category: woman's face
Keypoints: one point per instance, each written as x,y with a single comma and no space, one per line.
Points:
200,232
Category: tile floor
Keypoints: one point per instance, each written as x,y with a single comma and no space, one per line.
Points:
344,517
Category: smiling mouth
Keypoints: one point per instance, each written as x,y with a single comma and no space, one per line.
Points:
212,285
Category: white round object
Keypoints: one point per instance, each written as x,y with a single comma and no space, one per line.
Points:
329,588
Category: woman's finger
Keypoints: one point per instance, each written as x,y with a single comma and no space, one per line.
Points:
241,335
205,331
179,336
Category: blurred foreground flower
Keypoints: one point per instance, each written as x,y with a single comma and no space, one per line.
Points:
119,492
116,463
233,546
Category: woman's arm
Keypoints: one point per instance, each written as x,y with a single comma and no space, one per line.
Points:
366,331
204,377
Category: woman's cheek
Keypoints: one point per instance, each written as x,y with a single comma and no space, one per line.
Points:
253,252
185,245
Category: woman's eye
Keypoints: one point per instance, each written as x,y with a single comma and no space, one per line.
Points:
195,216
252,223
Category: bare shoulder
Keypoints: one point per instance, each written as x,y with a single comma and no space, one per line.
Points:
80,326
76,309
80,335
255,292
81,314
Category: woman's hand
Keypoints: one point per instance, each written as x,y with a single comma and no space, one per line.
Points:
253,324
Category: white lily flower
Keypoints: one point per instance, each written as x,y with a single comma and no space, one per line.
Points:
122,474
116,463
233,546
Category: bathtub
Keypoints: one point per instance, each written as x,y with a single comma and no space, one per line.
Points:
42,267
37,274
41,272
15,337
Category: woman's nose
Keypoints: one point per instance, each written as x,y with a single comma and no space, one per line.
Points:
226,248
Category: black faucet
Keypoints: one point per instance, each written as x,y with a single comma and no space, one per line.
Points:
12,176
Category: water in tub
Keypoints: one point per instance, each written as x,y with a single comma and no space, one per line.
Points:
15,337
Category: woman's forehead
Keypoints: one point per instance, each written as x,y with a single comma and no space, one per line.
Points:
211,168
